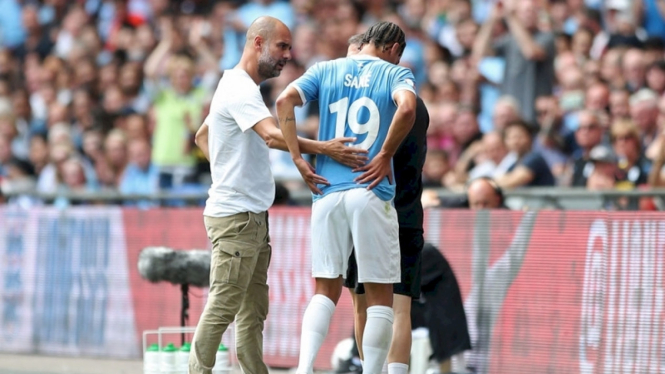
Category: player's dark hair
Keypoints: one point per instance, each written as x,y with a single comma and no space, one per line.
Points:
385,34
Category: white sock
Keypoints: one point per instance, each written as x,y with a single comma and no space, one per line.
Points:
315,323
362,364
384,369
377,337
398,368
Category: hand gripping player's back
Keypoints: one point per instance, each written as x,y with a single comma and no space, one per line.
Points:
369,97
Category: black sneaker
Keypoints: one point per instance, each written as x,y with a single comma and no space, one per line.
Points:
352,365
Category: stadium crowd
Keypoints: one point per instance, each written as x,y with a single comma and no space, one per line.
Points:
107,94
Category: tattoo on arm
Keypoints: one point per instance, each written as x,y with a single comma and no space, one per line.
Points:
285,120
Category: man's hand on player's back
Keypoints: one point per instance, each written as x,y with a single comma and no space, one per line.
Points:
339,150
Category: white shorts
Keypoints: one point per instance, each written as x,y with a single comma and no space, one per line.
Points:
356,218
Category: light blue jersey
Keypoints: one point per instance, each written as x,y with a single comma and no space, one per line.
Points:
355,97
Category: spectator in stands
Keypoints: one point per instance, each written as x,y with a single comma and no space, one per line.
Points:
603,171
494,160
654,50
72,176
644,114
529,53
120,17
506,110
619,104
97,67
49,177
8,130
72,27
592,73
177,107
136,127
22,111
589,134
38,153
548,113
92,145
484,193
465,132
553,138
610,69
597,97
439,133
141,176
487,156
37,39
83,115
530,168
572,90
634,69
436,166
633,168
20,177
621,25
130,78
656,77
581,45
115,153
651,15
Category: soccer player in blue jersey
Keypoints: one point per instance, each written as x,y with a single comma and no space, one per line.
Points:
369,97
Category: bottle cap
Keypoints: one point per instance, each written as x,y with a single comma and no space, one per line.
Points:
222,348
186,347
169,348
153,348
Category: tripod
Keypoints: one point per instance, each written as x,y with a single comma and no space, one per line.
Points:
184,309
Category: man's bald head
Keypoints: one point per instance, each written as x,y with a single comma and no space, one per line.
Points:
264,27
268,46
484,193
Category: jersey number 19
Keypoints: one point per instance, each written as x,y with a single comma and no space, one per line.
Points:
349,114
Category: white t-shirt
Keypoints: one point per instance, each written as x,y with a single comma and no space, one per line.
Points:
239,160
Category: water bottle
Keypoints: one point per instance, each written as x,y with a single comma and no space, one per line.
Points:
151,360
222,362
168,359
183,358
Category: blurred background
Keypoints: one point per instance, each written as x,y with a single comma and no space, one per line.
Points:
100,99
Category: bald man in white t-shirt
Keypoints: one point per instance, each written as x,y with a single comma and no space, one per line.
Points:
235,137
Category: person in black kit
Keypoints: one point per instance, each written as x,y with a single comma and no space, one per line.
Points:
531,169
407,165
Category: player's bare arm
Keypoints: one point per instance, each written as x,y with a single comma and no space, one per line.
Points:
201,140
380,167
287,120
335,148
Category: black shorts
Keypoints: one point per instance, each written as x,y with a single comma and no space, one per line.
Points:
411,242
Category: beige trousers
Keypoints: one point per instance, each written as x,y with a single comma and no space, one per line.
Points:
238,290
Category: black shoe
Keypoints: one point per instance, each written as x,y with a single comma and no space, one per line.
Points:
352,365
